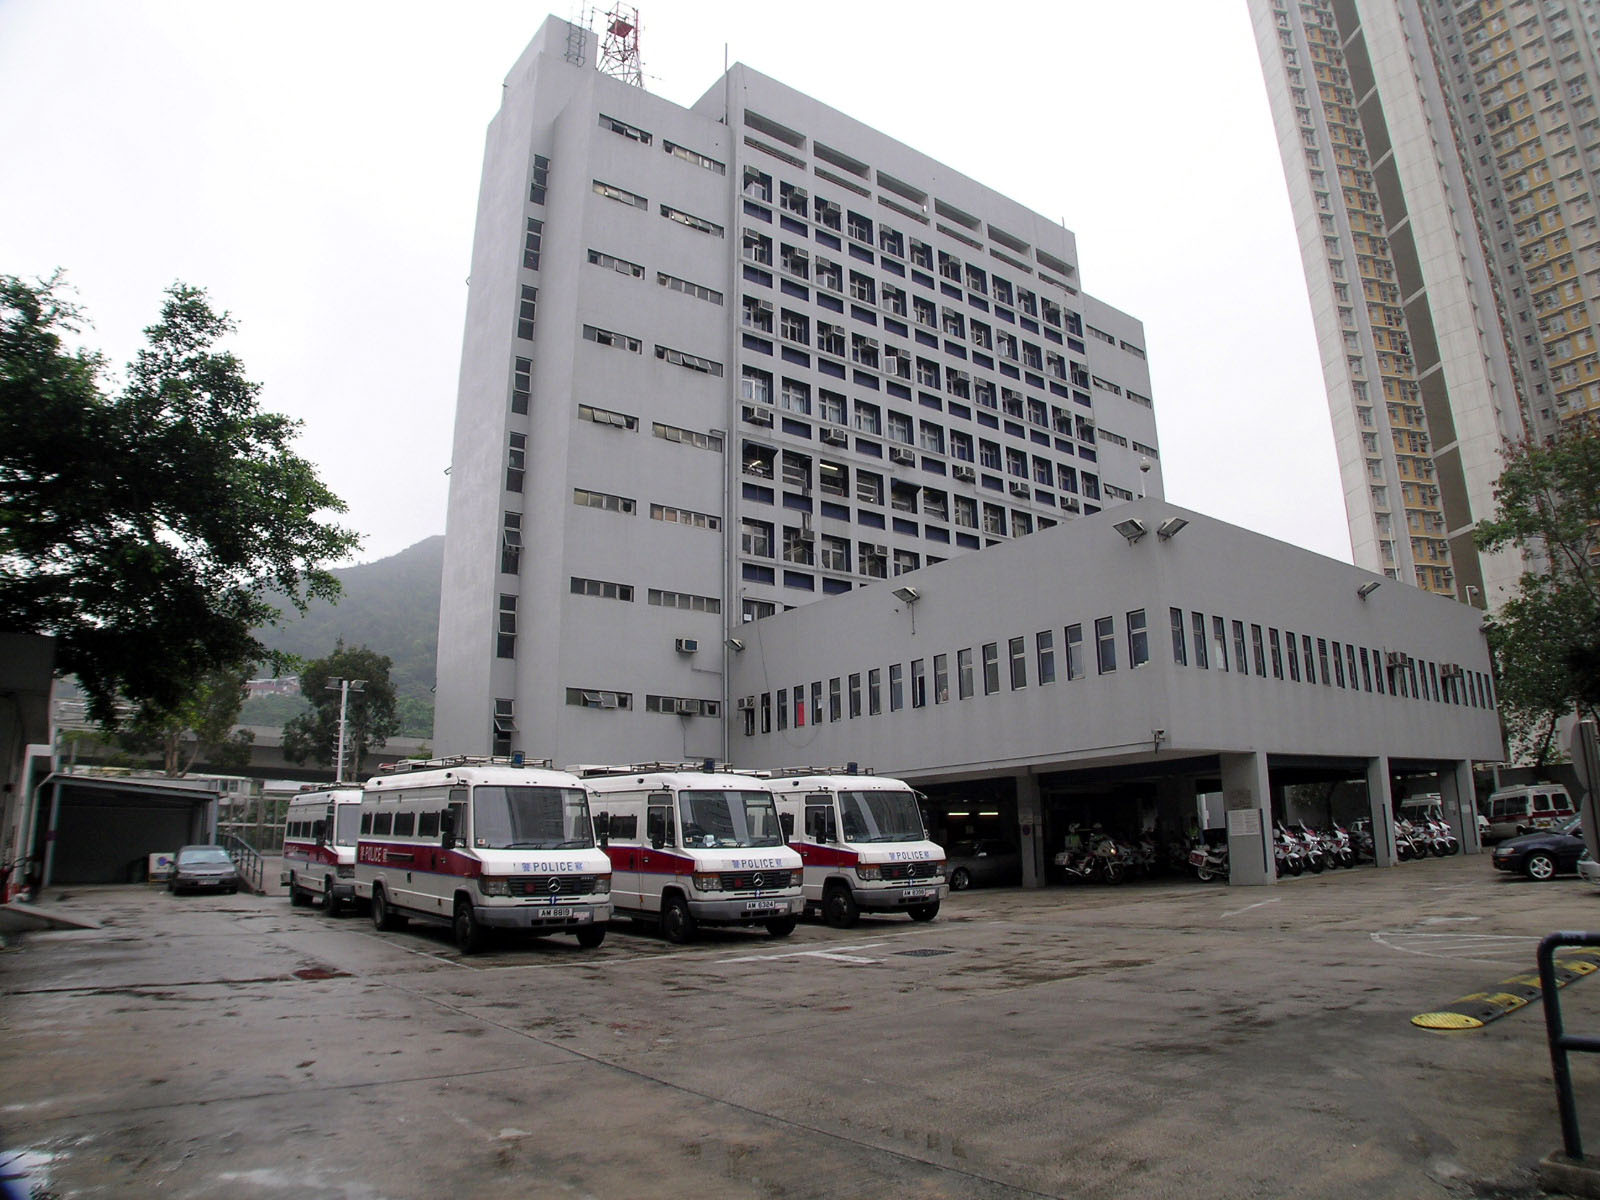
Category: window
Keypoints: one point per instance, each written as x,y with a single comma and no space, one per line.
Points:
1311,663
698,224
869,487
701,292
516,460
1322,659
755,386
700,441
994,519
607,337
531,244
757,248
604,416
1257,650
1105,638
1291,642
755,538
1277,653
906,560
541,179
964,674
621,195
757,186
835,553
604,589
872,561
833,698
584,498
693,156
896,687
620,265
855,695
1138,639
1198,625
1240,662
1074,648
1017,651
966,511
941,678
631,132
521,385
1219,642
991,668
693,362
506,632
831,407
798,546
931,436
686,601
526,309
511,544
874,692
684,516
919,684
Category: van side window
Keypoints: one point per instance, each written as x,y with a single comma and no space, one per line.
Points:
428,824
819,823
1541,802
625,828
366,822
658,824
382,823
405,824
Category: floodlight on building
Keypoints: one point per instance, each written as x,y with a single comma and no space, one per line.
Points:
1473,592
1367,588
735,645
1133,529
1170,527
909,594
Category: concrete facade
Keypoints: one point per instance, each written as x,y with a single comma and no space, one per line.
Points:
728,360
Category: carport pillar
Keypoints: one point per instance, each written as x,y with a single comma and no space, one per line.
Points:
1380,807
1030,830
1247,797
1459,799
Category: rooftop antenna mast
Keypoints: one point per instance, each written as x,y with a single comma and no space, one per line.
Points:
619,47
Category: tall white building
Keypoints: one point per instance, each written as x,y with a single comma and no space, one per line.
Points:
1442,159
728,360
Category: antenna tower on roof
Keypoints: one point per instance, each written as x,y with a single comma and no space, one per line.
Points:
619,46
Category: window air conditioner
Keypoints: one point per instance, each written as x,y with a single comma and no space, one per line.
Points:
746,703
687,707
686,646
1018,489
963,472
901,455
756,415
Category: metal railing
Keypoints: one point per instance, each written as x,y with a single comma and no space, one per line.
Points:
1562,1042
246,858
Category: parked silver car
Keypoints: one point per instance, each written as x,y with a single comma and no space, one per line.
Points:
985,861
203,868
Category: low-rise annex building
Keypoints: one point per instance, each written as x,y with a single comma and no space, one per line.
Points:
1119,666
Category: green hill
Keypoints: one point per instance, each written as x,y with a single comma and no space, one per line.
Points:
390,606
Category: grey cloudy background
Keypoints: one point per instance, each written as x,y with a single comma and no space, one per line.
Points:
315,167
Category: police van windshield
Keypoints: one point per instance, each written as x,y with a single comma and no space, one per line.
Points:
530,818
346,823
721,819
879,816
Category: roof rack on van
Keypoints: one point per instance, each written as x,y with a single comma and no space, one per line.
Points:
793,772
595,770
461,760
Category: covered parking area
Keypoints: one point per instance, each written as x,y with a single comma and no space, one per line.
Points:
103,829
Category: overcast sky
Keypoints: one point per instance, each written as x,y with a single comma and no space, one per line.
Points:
314,166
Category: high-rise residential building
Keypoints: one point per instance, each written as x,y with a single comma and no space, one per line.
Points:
726,360
1441,159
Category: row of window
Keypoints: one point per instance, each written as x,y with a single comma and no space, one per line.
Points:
1005,666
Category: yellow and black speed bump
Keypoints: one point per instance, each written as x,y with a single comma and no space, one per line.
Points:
1478,1009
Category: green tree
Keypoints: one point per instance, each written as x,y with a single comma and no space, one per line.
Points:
370,717
144,530
205,718
1546,638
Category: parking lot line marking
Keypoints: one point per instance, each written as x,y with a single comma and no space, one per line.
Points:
831,954
1248,907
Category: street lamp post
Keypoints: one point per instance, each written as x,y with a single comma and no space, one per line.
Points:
344,687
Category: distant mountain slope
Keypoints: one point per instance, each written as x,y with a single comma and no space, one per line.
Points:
390,606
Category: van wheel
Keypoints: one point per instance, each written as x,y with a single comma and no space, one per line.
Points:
781,926
591,938
839,907
470,936
384,917
297,897
677,925
330,903
924,912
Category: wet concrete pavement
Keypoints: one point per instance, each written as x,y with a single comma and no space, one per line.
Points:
1162,1039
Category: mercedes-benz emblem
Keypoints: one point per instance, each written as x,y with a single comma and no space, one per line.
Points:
555,884
756,880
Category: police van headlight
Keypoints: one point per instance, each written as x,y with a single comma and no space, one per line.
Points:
708,883
602,886
869,874
938,869
496,885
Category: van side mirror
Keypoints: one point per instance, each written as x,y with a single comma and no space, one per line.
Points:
447,830
602,829
786,820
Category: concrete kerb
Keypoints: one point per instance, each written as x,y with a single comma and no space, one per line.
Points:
21,916
1570,1177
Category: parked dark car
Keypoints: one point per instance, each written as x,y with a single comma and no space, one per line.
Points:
203,868
982,862
1543,854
